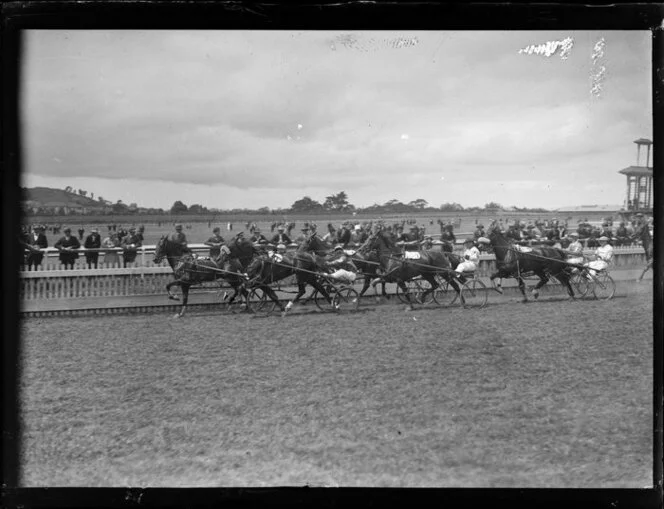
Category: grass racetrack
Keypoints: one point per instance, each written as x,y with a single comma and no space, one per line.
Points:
553,393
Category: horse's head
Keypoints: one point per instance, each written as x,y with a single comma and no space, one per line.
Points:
315,244
160,249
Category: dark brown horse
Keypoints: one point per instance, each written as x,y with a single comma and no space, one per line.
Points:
398,269
543,262
307,264
189,271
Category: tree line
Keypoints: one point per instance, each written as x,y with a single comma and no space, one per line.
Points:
339,203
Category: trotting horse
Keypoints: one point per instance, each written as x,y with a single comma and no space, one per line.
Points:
399,270
542,261
367,261
642,233
306,263
189,271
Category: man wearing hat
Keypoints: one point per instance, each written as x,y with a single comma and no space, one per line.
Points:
427,243
471,259
281,237
130,245
215,242
575,250
36,241
603,255
92,241
68,246
344,235
179,237
411,240
303,236
343,267
258,237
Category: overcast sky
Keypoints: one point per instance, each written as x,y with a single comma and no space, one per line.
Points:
255,118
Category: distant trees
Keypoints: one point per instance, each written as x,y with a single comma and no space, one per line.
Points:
178,207
306,204
492,205
419,204
337,202
197,209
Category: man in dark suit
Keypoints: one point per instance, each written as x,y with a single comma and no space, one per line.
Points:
92,241
281,237
36,241
67,246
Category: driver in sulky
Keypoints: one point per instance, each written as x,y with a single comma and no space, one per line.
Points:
342,266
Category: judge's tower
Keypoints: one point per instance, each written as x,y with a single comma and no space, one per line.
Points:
639,180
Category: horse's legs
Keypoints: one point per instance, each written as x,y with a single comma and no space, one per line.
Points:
543,279
564,277
497,286
168,290
185,299
431,279
267,290
365,286
402,284
646,269
522,287
301,288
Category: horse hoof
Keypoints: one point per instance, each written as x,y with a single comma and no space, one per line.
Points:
177,315
408,308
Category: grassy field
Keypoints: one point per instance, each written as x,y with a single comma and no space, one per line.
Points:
549,394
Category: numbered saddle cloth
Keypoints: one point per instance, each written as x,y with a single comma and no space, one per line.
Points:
412,255
523,249
276,257
349,252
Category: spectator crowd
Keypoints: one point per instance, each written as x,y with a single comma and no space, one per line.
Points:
119,246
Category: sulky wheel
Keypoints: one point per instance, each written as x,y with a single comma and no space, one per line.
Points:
321,302
346,299
259,303
414,289
445,294
580,285
474,294
604,287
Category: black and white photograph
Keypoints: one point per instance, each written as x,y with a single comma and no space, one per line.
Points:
336,258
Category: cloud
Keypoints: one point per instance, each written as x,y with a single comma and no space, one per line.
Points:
381,113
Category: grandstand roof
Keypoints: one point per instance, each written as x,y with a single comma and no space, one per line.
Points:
639,171
590,208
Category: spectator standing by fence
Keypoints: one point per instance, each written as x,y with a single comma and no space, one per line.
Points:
111,257
68,246
130,245
215,242
36,241
92,241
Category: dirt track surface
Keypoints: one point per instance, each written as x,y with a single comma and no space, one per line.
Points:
553,393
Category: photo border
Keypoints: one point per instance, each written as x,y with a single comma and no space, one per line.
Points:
20,16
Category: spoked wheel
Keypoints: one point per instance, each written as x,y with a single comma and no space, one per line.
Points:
604,287
474,294
259,303
580,285
346,299
445,294
414,288
321,302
